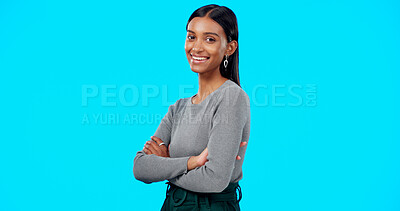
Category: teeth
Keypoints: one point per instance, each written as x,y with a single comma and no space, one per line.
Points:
199,58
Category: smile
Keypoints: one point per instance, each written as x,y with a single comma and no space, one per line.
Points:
199,59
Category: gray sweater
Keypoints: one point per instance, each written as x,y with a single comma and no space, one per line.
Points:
220,122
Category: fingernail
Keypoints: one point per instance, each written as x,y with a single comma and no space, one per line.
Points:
151,136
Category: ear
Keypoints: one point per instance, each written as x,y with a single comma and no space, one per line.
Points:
231,47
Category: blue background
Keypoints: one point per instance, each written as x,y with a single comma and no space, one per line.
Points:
340,153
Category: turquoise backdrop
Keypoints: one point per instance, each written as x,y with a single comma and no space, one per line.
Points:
85,83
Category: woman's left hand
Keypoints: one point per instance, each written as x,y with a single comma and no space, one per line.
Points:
153,147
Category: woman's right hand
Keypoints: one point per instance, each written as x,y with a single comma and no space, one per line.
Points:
200,160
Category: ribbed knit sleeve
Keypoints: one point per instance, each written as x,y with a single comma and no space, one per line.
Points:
231,117
153,168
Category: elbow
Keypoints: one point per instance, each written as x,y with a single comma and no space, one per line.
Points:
136,170
139,176
218,179
138,173
220,185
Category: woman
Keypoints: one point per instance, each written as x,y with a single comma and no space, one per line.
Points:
197,141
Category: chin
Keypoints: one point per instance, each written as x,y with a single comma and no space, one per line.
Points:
196,70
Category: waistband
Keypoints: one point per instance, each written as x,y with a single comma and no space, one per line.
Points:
180,195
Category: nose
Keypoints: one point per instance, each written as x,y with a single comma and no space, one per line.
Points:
197,46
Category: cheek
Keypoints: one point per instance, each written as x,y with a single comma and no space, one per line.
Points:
215,50
188,46
216,54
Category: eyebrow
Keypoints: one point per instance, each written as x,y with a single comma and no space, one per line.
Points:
205,33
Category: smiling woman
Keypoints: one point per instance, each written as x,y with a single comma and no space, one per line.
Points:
200,144
212,34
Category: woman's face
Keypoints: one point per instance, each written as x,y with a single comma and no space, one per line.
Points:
205,45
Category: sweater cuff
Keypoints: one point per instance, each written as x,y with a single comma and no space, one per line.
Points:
186,165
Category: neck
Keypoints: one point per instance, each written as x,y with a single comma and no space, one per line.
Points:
209,82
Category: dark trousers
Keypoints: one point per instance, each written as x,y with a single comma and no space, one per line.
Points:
179,199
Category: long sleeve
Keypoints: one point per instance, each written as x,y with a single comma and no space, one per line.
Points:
153,168
228,123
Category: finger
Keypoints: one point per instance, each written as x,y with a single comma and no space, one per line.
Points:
148,152
153,146
156,139
205,152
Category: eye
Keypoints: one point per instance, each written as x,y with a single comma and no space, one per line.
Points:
190,37
210,39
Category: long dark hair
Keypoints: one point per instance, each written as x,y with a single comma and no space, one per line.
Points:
227,20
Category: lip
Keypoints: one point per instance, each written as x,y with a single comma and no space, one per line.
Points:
194,61
198,55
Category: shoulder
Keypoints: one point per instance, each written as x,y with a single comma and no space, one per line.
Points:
233,104
178,105
233,94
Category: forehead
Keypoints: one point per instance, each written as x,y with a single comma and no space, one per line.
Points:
205,24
